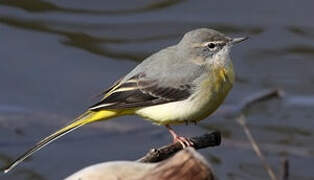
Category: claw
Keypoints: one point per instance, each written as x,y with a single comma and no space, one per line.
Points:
185,142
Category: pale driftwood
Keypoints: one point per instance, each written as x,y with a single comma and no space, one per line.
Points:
206,140
185,165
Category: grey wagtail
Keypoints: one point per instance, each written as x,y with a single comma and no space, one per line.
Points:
181,83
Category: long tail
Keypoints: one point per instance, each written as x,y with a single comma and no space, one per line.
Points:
85,118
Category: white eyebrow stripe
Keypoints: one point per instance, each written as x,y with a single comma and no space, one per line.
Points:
215,42
206,43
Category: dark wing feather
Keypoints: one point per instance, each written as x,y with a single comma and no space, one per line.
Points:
111,88
139,92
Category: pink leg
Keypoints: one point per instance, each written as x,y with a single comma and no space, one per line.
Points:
185,142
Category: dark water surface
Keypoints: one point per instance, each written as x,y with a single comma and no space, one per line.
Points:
57,55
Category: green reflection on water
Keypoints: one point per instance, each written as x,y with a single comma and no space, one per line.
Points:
300,49
236,176
225,132
301,31
5,161
81,40
96,45
229,28
38,6
29,174
253,169
214,159
289,130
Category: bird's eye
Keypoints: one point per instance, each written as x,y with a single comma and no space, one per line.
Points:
211,45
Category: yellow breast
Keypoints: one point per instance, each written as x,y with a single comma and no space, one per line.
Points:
214,90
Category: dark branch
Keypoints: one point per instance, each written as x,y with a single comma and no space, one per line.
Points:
204,141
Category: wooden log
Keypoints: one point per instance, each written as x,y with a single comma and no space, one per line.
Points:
185,165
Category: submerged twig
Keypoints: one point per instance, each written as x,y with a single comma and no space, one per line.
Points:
285,169
247,103
259,97
242,122
206,140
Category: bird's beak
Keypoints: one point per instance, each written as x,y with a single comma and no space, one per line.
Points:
238,40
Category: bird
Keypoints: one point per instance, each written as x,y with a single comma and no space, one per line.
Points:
185,82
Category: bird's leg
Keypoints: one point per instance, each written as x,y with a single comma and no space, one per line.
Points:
185,142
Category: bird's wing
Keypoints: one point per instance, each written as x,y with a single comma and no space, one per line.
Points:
138,91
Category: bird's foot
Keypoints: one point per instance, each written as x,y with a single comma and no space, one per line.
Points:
185,142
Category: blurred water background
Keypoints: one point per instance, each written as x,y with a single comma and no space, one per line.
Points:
57,55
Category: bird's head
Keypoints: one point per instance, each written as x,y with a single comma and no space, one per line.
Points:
208,44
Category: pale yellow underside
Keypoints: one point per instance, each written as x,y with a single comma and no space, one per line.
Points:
205,101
